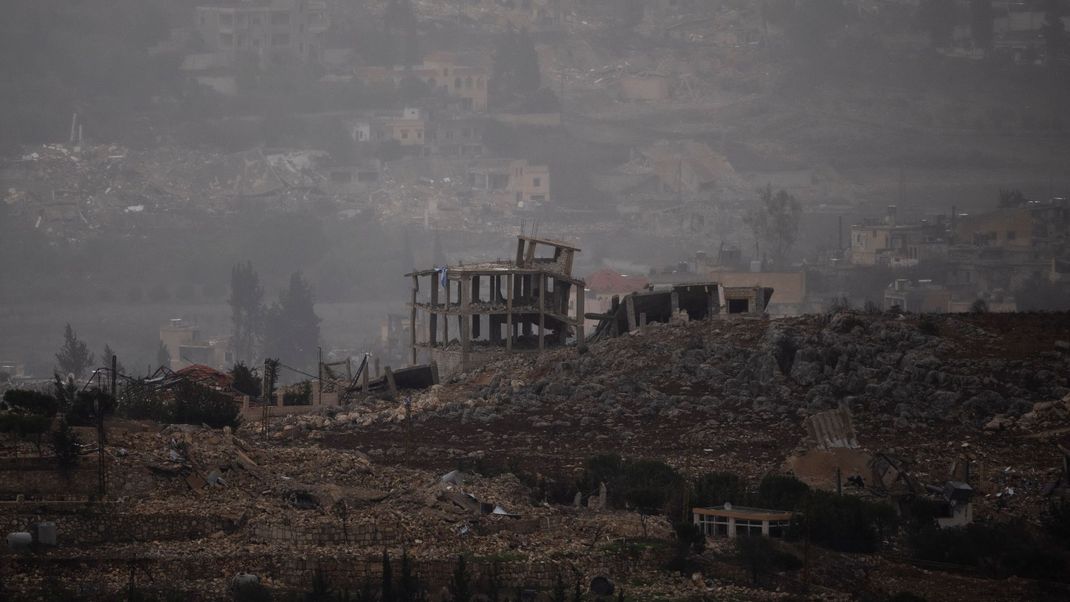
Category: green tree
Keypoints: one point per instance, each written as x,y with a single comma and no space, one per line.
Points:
246,310
197,404
775,223
756,554
245,380
66,445
981,24
716,488
401,25
74,357
515,72
106,358
31,402
292,330
460,586
408,585
560,590
782,492
387,588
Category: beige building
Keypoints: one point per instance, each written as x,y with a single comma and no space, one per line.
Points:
738,521
888,243
443,74
790,297
186,347
512,181
268,29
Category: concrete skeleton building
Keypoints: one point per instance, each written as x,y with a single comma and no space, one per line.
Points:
516,306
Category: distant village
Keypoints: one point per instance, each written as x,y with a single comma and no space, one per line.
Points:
434,162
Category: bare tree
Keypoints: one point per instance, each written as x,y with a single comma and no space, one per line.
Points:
775,224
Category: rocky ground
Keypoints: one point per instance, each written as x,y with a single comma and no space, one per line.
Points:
732,395
336,489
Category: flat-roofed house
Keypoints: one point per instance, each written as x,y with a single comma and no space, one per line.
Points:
731,521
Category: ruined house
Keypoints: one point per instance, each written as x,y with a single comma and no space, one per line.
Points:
663,303
514,306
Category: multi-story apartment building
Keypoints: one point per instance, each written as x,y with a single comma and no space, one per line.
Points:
272,30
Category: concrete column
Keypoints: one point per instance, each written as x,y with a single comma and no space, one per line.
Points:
674,302
629,308
731,528
765,528
433,314
580,294
542,311
412,318
466,319
509,312
446,317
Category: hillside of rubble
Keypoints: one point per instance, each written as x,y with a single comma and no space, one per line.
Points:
491,465
732,395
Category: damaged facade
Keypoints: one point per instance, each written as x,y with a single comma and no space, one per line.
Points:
520,305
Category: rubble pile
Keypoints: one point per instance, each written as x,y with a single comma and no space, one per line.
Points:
734,395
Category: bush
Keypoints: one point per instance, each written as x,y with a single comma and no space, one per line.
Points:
1057,521
142,402
83,411
646,485
66,445
246,380
759,556
31,402
841,522
301,396
927,325
921,513
782,492
197,404
716,488
1000,550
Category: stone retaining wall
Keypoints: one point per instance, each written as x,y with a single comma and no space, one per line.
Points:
84,524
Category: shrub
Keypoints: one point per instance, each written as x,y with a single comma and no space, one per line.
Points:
31,402
927,325
66,445
142,402
301,396
1057,521
840,522
246,380
716,488
759,556
646,485
83,411
999,549
196,404
782,492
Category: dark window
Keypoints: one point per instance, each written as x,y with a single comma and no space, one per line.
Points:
738,306
280,18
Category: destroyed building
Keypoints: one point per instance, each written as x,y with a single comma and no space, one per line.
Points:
516,306
689,300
